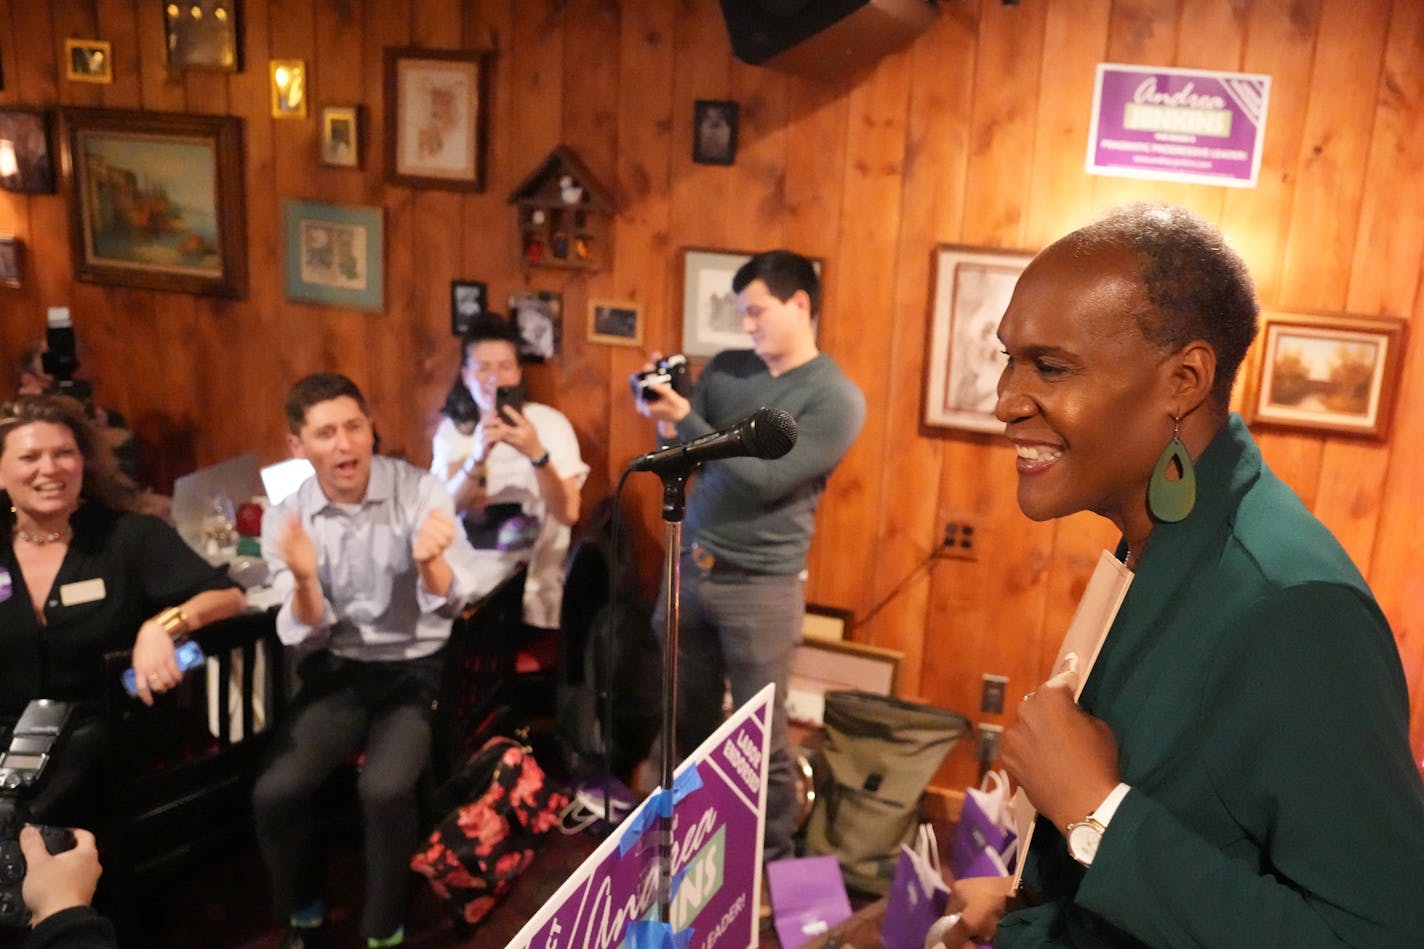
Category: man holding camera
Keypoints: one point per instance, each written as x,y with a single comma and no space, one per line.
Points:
749,521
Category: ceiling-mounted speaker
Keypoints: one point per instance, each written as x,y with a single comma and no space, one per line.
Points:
823,37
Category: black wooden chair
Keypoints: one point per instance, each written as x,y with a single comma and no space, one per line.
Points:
479,667
180,773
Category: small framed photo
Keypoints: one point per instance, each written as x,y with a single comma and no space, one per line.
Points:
88,61
819,666
11,261
469,299
202,34
1334,374
435,118
341,136
335,254
539,316
714,132
972,286
26,166
289,88
615,322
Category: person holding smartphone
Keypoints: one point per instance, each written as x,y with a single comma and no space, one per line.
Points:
512,466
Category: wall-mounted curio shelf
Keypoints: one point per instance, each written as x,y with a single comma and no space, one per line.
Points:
565,217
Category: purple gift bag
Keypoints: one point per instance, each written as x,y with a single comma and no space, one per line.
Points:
918,894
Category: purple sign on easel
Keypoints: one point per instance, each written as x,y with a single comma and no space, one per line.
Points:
1195,125
719,811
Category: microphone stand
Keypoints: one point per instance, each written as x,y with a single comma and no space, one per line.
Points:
674,504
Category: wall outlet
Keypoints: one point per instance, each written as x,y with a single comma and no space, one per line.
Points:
991,699
987,736
959,541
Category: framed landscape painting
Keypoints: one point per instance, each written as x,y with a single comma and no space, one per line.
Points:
156,200
1335,374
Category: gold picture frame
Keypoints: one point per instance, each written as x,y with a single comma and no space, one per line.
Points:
615,322
289,88
1328,374
88,61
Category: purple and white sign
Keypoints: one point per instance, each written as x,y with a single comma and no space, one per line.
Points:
1195,125
719,811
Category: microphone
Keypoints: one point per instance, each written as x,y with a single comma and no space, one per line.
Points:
766,433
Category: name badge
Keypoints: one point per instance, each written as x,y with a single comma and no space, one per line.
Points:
82,591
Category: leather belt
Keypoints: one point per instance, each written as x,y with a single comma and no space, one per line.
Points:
711,564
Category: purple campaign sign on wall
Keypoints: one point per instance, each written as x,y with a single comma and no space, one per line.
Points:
1196,125
718,816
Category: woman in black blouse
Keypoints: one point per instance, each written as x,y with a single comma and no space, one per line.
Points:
82,573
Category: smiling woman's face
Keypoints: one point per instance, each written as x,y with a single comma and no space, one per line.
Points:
1086,399
42,469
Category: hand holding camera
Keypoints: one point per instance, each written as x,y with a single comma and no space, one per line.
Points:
663,387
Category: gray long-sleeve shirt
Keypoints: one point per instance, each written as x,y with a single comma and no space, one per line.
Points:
759,513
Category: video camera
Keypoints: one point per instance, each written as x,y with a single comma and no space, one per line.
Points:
41,728
61,359
670,371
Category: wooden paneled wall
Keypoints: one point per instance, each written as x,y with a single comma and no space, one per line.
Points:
975,135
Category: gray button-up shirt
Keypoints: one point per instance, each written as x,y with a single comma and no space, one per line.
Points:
376,607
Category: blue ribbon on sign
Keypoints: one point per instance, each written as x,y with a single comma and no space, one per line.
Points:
650,934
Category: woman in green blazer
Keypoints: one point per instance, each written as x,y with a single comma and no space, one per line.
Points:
1237,772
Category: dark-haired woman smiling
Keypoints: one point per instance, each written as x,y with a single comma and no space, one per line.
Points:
1237,772
81,573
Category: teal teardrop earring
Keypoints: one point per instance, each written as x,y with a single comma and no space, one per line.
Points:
1168,500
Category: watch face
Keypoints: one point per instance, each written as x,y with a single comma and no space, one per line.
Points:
1083,840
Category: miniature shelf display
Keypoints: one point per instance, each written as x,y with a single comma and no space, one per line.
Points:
565,216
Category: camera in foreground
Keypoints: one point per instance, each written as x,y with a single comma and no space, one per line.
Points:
22,764
669,371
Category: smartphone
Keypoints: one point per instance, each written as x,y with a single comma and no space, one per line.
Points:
511,396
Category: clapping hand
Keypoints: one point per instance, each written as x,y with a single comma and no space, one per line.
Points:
434,536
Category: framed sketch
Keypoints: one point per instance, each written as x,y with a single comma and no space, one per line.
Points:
335,254
714,132
341,136
539,316
202,34
710,320
1335,374
11,261
972,286
819,666
435,118
468,299
157,200
25,163
827,623
615,322
88,61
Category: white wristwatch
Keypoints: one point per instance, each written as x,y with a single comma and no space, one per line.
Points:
1086,835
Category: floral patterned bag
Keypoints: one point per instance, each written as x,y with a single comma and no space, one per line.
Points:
478,849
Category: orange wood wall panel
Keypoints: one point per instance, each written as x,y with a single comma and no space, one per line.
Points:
975,134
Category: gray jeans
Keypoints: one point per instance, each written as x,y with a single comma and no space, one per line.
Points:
739,630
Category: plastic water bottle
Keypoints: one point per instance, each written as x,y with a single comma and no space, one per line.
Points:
189,655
